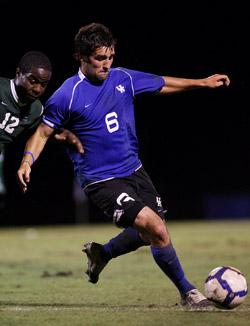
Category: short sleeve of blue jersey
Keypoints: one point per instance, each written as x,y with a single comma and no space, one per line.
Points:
143,82
56,111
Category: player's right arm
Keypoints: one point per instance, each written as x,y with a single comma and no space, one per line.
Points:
33,149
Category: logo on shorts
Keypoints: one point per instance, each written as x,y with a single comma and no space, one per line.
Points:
123,197
117,215
158,201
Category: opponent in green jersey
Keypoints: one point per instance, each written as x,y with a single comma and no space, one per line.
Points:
20,107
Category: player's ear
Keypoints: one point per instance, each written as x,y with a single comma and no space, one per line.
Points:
84,58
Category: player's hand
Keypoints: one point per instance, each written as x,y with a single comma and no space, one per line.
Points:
217,80
68,136
23,175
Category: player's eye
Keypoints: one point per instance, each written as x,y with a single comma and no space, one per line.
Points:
34,81
31,80
100,58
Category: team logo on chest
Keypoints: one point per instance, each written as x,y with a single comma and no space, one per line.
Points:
120,88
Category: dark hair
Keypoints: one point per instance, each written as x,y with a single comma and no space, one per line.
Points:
91,37
34,59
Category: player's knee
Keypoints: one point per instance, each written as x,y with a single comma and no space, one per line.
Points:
160,233
152,227
156,235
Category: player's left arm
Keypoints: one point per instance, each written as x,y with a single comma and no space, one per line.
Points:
33,149
175,84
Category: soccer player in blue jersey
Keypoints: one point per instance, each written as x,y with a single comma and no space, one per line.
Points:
97,104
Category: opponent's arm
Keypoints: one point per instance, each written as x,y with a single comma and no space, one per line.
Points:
175,84
33,149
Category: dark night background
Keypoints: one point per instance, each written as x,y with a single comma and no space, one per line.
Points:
195,145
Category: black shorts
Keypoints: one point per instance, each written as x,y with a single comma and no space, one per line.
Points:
121,199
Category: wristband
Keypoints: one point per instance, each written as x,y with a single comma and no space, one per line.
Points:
32,156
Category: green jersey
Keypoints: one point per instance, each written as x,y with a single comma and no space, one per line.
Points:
15,117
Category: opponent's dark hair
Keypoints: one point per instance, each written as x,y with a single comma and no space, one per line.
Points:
34,59
91,37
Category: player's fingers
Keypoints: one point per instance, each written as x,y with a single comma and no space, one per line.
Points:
79,146
76,142
27,177
224,79
21,182
60,137
70,138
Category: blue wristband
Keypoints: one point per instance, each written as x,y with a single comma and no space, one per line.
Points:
32,156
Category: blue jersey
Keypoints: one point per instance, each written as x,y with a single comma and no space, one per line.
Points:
102,116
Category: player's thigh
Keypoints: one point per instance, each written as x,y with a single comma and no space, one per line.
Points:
148,193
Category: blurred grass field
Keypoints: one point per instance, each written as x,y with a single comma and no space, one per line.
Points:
42,280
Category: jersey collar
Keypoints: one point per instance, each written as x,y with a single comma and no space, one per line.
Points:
14,93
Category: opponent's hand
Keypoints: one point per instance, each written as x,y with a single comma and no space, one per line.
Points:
68,136
23,175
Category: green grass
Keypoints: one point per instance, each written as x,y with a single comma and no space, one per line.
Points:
42,280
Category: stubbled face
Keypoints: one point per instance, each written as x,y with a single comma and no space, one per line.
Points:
96,67
31,85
